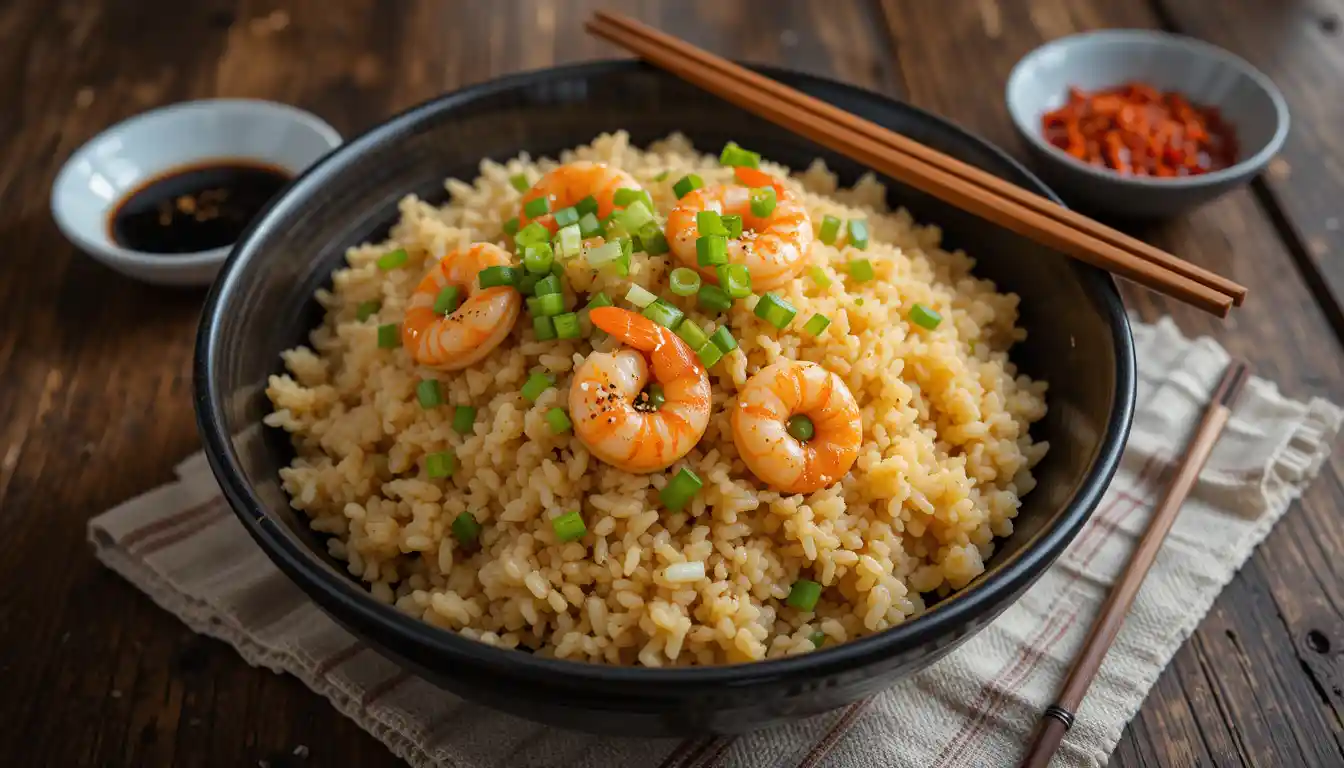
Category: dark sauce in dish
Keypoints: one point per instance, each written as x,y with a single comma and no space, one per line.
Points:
194,207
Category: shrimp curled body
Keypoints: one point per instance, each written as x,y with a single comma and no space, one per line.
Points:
774,247
760,426
466,335
566,185
607,389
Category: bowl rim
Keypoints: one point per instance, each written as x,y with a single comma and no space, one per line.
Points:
113,253
1227,59
357,606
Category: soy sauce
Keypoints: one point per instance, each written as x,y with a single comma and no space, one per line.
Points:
196,207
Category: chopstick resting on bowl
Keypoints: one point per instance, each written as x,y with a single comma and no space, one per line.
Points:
1058,718
926,169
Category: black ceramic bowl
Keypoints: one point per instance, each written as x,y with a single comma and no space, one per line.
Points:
1079,341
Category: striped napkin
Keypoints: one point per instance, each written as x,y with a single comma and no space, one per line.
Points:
182,546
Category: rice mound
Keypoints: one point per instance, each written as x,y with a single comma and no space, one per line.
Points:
946,453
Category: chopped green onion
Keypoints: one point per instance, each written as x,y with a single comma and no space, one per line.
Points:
626,195
589,226
546,305
714,298
558,420
528,284
536,207
664,314
686,184
654,397
393,259
709,354
817,638
925,317
439,465
800,427
661,175
775,311
570,241
599,299
558,270
604,254
366,309
532,233
498,275
511,227
566,216
735,279
723,339
684,282
446,301
692,334
733,223
858,233
389,336
636,215
536,384
537,258
429,394
820,277
711,250
804,594
653,239
544,327
861,270
547,285
566,325
520,182
763,201
465,528
816,324
830,227
710,223
569,527
464,416
586,206
680,489
639,296
734,155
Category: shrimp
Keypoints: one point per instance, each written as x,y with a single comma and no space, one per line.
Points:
478,325
780,393
773,247
572,182
621,423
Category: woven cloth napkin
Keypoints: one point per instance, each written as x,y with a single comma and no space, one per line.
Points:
182,546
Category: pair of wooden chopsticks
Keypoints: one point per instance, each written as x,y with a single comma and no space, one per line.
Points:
1059,716
926,169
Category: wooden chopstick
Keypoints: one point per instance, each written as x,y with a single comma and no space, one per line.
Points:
762,96
1059,716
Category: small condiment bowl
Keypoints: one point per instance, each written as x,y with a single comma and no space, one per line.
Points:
113,164
1205,74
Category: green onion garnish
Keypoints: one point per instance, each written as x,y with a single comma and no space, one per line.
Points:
389,336
800,427
775,311
589,226
639,296
569,241
636,215
532,233
520,182
446,301
664,314
625,196
558,420
830,227
599,299
711,250
511,227
464,416
543,327
858,233
393,259
861,270
723,339
710,223
804,594
692,334
587,205
654,397
537,206
537,258
925,317
366,309
684,282
653,239
465,528
536,384
820,277
566,325
734,156
714,298
569,527
686,184
566,216
733,223
547,285
546,305
498,275
816,324
439,465
429,394
817,638
661,175
763,202
709,354
528,284
604,254
680,490
735,279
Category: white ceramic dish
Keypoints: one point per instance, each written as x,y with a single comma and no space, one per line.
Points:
100,174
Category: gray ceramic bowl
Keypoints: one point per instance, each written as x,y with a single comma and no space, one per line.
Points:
1207,75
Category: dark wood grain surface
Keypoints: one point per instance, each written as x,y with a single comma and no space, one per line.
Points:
95,402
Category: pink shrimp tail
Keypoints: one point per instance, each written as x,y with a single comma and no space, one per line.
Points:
672,357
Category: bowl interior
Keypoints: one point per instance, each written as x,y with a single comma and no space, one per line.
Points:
263,301
1205,74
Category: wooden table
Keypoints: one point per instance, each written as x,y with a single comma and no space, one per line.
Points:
96,395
